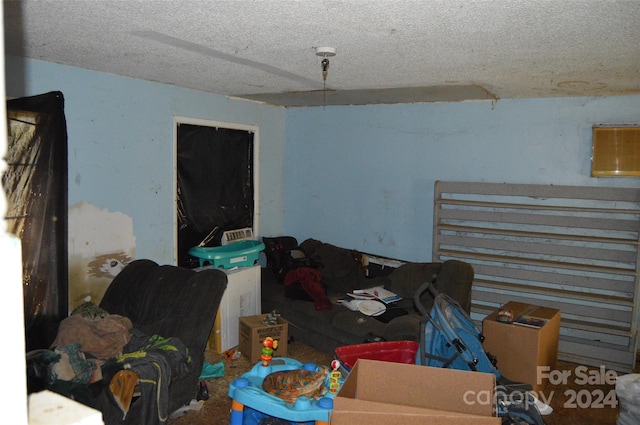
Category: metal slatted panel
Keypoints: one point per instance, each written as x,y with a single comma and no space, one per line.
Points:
573,248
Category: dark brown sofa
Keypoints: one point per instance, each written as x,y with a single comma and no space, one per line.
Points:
342,271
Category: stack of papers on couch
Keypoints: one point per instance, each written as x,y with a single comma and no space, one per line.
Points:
376,293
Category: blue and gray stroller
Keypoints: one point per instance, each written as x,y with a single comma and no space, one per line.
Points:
450,339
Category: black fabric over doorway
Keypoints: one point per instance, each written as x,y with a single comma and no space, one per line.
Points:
35,184
215,185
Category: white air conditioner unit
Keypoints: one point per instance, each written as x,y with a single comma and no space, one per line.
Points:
231,236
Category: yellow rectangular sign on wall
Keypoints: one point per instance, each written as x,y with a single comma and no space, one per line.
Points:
616,152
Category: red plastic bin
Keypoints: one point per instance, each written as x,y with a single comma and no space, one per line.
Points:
387,351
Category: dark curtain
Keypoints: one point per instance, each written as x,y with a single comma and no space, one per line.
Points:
215,185
35,183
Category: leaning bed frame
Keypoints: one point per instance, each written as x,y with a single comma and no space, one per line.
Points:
573,248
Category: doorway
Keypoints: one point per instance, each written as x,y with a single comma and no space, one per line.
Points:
216,183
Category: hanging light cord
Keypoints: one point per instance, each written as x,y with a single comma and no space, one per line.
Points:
325,70
325,53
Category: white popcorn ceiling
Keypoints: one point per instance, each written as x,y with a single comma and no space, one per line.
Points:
388,51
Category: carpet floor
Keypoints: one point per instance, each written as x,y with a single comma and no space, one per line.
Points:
575,400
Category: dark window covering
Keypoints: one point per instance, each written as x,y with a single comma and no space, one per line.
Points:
35,183
215,185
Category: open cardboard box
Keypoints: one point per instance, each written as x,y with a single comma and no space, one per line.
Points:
519,349
378,392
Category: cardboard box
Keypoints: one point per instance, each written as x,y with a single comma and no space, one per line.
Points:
520,349
378,392
253,331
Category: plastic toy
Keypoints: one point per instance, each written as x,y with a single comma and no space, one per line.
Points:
334,377
247,391
505,315
269,344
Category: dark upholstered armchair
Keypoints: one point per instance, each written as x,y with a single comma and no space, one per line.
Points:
171,302
162,317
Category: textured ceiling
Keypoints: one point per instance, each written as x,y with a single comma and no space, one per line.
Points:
388,51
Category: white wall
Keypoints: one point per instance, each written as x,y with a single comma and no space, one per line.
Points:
13,394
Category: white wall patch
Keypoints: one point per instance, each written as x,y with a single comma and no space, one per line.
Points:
101,244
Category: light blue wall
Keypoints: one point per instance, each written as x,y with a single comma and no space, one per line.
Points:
362,177
355,176
120,141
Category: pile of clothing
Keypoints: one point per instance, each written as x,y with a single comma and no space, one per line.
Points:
94,348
